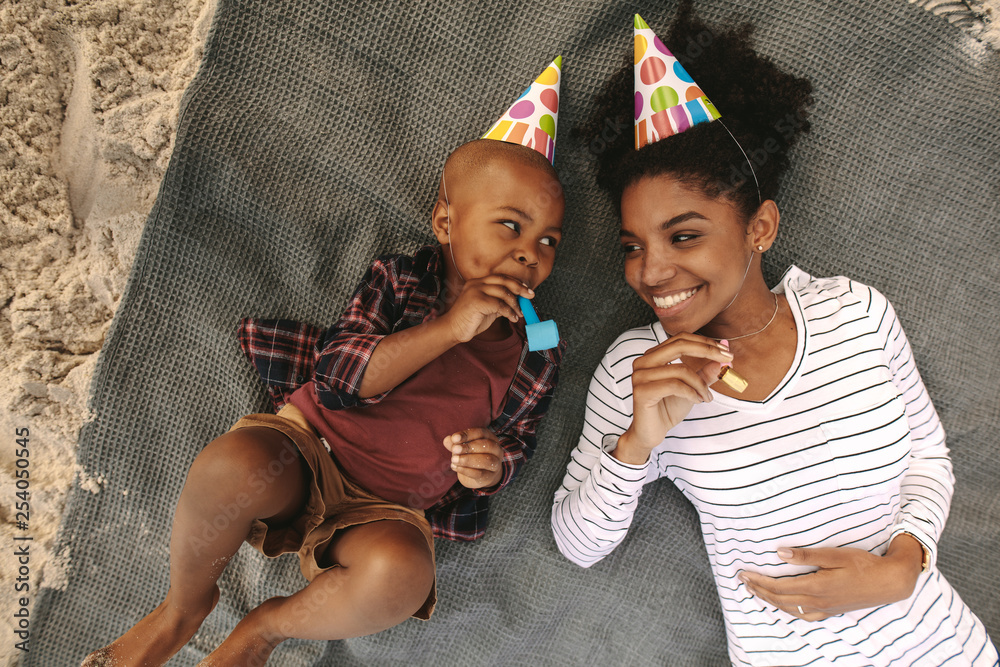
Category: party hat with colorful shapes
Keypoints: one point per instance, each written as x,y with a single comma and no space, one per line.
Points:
667,100
531,120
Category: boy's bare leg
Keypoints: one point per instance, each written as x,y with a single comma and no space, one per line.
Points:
385,574
242,475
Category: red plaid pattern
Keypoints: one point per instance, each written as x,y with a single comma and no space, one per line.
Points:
398,292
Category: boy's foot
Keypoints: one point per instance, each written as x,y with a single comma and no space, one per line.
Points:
151,641
249,644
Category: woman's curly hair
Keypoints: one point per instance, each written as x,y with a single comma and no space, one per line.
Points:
764,108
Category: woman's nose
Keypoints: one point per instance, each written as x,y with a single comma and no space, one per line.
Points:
657,267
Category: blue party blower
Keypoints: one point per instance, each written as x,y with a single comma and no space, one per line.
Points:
541,335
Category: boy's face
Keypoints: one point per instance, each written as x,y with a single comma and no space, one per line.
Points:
505,219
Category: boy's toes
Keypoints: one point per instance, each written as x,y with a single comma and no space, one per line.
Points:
102,657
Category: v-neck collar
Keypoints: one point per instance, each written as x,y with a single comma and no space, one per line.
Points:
794,277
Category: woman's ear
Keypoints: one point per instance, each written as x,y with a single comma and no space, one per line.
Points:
440,222
763,229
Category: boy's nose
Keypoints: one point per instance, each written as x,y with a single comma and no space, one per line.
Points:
526,256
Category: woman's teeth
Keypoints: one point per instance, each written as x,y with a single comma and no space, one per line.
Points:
673,299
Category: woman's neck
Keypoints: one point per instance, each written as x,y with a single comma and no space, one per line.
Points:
750,314
763,358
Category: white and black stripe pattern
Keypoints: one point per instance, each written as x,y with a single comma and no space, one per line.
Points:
847,451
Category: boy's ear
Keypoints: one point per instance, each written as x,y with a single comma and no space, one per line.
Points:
764,226
440,222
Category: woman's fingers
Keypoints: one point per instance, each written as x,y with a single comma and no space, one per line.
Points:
678,379
686,345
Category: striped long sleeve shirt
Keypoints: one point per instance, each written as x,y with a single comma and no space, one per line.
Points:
846,451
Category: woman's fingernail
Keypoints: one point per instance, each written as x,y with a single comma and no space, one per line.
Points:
724,343
785,553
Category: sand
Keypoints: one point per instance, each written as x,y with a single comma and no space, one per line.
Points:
89,101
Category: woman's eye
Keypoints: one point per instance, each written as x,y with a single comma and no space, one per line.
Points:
629,248
682,238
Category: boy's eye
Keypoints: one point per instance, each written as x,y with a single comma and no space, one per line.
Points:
510,224
550,241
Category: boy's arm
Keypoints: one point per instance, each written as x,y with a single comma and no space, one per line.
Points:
462,514
346,348
401,354
362,358
480,303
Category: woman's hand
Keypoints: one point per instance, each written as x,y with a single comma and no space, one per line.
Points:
846,579
481,302
664,388
476,456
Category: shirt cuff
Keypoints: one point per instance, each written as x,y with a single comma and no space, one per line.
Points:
929,545
625,478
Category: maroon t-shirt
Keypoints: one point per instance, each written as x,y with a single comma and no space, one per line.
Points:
394,448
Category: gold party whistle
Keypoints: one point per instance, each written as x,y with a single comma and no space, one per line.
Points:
733,380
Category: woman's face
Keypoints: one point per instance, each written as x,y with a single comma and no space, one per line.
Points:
686,254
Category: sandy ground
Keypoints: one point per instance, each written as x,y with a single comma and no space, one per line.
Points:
89,99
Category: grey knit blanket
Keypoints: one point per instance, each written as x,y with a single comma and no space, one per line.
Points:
311,141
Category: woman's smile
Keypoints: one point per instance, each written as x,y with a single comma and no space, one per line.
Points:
673,303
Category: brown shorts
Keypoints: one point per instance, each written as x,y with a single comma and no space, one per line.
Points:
334,503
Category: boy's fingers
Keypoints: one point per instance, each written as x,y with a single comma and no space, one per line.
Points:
468,435
513,285
485,462
509,306
475,449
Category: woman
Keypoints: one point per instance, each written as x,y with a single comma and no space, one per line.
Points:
822,482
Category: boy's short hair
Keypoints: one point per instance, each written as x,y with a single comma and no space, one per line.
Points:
477,155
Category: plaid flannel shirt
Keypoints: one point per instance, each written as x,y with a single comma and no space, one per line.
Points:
398,292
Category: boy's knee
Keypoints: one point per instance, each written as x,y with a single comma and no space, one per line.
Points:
246,458
401,572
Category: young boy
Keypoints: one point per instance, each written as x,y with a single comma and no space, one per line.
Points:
423,398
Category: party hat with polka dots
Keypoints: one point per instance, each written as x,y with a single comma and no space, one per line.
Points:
667,100
531,120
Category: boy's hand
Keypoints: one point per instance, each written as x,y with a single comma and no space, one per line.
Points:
476,456
481,302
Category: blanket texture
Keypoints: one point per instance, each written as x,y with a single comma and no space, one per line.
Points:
312,140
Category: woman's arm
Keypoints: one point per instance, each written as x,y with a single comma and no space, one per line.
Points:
638,393
929,483
848,579
594,506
